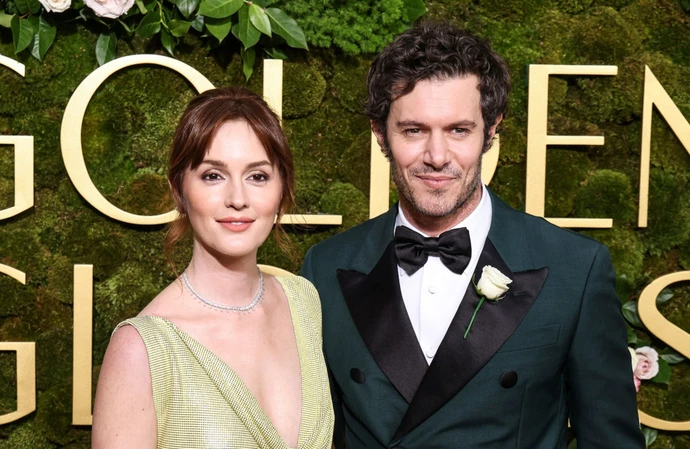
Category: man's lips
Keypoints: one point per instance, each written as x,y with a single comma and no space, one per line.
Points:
435,182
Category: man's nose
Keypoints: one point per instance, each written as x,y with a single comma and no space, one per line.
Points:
437,152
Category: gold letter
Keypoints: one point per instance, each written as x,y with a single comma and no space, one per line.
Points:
655,94
23,160
380,174
537,139
70,133
26,365
667,332
83,345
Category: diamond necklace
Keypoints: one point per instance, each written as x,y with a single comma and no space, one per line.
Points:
239,309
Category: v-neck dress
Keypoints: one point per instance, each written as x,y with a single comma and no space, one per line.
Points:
201,402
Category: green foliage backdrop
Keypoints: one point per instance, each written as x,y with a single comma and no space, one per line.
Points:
129,123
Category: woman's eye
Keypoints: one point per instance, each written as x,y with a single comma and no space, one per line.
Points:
258,177
211,176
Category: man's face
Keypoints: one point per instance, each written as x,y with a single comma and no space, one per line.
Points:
436,135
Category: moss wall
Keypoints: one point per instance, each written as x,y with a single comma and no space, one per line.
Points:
128,128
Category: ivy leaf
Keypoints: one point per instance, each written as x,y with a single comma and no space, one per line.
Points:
649,435
275,53
149,25
248,59
187,7
22,33
5,19
630,313
259,19
664,375
414,9
44,38
632,336
218,9
665,295
106,48
244,30
198,23
286,27
671,356
169,42
179,28
219,28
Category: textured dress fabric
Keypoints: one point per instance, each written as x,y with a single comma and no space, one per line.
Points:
201,402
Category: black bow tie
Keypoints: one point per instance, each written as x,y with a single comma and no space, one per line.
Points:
413,249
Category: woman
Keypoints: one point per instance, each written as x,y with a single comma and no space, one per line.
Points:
224,357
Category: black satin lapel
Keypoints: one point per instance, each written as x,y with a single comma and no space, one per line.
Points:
378,311
458,360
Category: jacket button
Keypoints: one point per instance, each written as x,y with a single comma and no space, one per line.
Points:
357,375
509,379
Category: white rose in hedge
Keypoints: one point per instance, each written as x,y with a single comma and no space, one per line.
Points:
493,284
111,9
633,358
647,363
56,5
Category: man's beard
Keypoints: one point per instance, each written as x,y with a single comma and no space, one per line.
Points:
443,206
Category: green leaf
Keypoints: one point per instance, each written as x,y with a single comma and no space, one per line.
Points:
22,33
149,25
169,42
671,356
187,7
275,53
632,336
219,28
248,59
665,295
259,19
28,6
244,30
179,28
5,20
286,27
664,375
624,288
649,435
630,313
218,9
150,5
43,39
414,9
573,444
198,23
141,6
106,48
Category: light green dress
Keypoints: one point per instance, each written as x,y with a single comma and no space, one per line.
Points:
201,403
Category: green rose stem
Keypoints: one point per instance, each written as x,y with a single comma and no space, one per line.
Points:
481,301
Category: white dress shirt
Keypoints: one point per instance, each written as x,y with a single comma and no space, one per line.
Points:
433,294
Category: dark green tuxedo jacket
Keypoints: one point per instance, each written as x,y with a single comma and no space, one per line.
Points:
553,349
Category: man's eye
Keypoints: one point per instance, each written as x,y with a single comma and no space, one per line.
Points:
460,131
412,131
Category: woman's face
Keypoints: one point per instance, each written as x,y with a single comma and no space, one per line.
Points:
233,197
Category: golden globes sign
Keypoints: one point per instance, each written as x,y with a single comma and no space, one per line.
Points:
537,142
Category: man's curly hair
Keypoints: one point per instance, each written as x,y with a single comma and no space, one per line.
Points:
436,51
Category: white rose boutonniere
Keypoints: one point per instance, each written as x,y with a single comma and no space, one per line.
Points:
492,285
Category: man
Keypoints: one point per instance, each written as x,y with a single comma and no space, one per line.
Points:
419,356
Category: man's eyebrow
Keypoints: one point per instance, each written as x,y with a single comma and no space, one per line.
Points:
463,124
410,124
